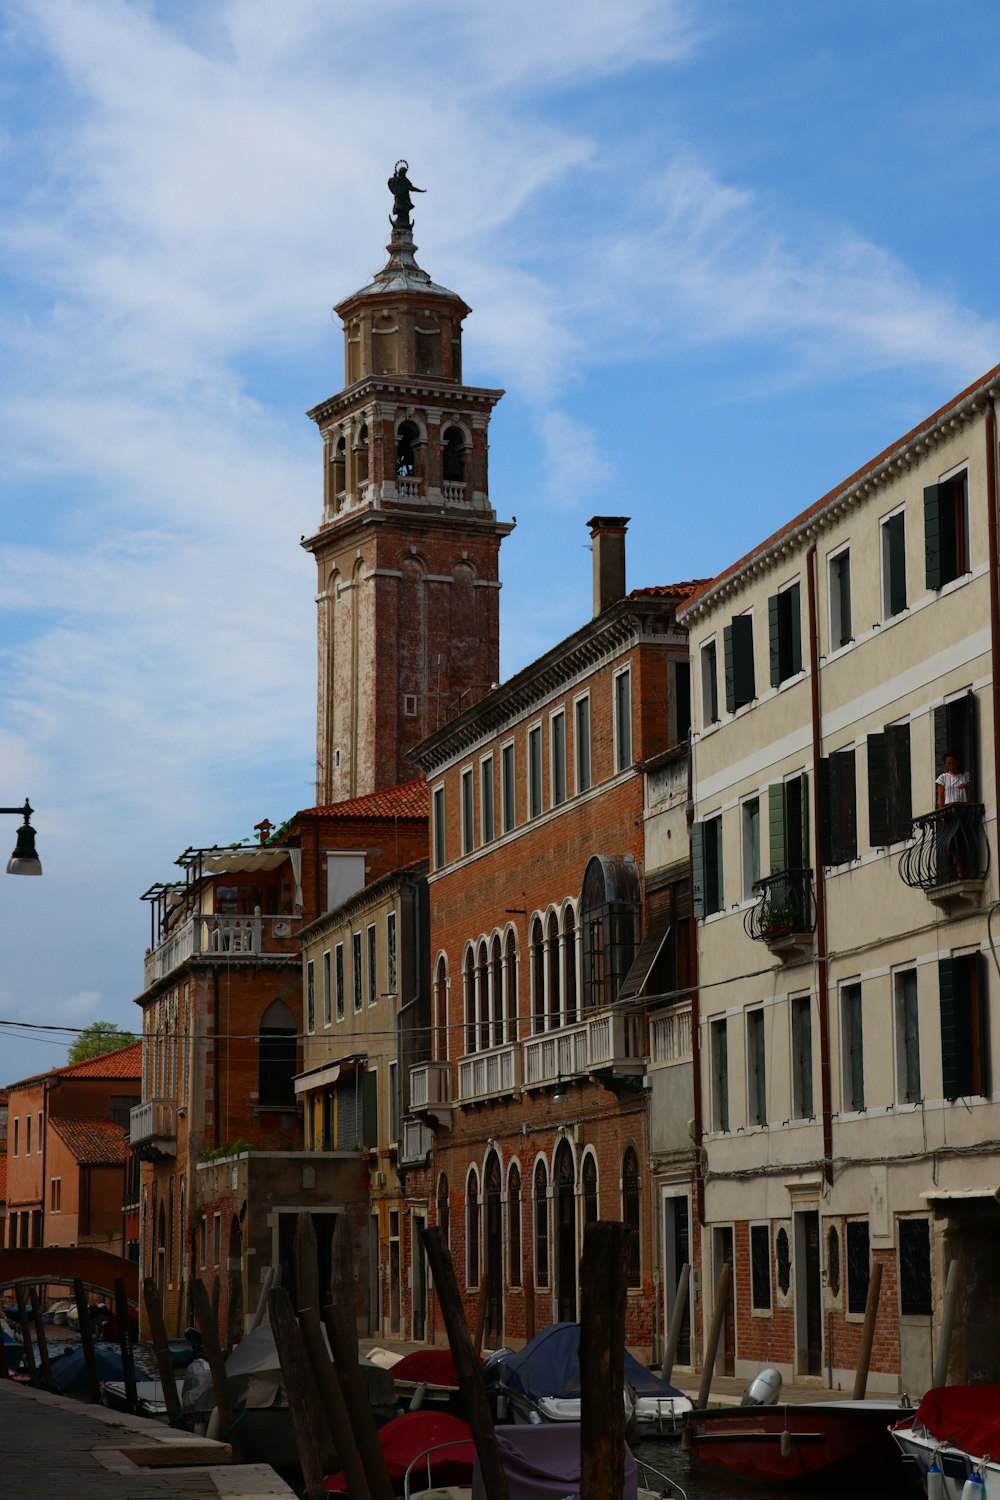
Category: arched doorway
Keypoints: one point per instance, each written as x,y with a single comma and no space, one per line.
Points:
494,1249
564,1171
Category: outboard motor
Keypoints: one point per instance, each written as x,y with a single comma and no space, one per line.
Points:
764,1389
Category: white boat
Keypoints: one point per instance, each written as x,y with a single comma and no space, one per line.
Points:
955,1427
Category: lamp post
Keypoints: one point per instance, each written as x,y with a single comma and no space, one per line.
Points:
24,860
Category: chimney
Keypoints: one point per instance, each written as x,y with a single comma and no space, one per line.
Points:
608,536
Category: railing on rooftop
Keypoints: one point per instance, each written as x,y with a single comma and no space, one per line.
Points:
948,846
246,936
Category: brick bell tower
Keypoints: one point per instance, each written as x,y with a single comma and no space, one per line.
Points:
408,546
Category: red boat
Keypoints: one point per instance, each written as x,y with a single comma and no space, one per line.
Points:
811,1441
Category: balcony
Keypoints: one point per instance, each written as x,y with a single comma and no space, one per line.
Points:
152,1128
234,936
785,915
483,1075
948,857
607,1043
415,1146
670,1037
430,1089
453,491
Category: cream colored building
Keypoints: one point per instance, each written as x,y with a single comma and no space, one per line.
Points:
847,1041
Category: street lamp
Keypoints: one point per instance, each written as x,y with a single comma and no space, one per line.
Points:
24,860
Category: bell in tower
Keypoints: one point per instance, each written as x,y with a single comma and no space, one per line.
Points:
407,548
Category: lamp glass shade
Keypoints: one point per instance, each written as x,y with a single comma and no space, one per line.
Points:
24,860
560,1090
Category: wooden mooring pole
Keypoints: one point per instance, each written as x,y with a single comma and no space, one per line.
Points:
947,1325
209,1328
868,1332
158,1338
86,1328
29,1350
602,1362
300,1390
676,1322
719,1312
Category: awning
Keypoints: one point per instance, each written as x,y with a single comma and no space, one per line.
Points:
648,952
230,861
960,1195
327,1074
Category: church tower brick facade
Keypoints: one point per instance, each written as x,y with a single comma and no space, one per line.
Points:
407,550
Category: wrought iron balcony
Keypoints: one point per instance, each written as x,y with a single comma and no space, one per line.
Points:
948,856
153,1129
785,915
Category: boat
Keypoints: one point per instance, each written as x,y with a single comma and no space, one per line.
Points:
433,1443
427,1379
955,1427
798,1442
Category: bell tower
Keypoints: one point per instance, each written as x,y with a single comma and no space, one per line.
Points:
408,546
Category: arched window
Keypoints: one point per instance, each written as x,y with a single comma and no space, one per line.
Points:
537,977
276,1064
510,985
444,1206
407,439
514,1225
338,462
170,1234
630,1215
439,1030
552,965
496,994
482,996
472,1229
589,1176
541,1196
610,904
493,1243
569,965
361,455
453,455
469,976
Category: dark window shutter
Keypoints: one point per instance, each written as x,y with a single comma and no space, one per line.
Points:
730,669
900,800
797,820
897,563
776,827
370,1109
982,1022
713,865
879,819
774,632
941,743
932,535
698,869
794,630
950,1065
846,814
824,797
743,673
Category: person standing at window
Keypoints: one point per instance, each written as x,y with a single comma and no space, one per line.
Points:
952,784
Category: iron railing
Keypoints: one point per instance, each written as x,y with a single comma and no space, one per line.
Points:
947,845
786,907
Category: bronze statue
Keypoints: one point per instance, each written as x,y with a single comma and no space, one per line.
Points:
401,187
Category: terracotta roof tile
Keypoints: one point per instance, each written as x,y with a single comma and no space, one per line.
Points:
671,590
94,1143
123,1062
408,800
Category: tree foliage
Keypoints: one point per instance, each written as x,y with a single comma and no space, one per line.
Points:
98,1037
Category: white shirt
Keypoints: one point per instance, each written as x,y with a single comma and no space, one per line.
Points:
956,786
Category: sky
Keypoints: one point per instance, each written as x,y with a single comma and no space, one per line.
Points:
718,254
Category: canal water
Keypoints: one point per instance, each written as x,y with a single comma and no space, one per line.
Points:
670,1459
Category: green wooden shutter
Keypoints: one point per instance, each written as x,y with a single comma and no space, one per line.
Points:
900,799
774,635
713,865
845,806
803,781
879,819
896,527
794,630
941,743
369,1106
744,684
730,668
932,535
950,1062
824,831
777,842
698,869
982,1083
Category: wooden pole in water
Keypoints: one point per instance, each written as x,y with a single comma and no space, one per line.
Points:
158,1338
868,1332
482,1304
29,1351
341,1331
342,1280
125,1345
470,1376
715,1332
949,1310
40,1339
529,1306
216,1298
602,1362
331,1399
306,1263
300,1389
86,1328
220,1384
676,1322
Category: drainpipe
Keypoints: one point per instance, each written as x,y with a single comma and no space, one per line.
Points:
216,1068
821,957
991,503
699,1179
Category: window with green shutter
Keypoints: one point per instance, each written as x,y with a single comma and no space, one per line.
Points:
955,730
838,808
788,824
785,628
706,866
852,1047
946,524
964,1025
890,810
893,565
737,641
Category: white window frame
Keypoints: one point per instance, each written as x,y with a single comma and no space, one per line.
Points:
467,805
709,650
487,799
793,1078
439,845
579,764
371,961
508,811
557,762
883,557
850,1107
746,867
617,675
755,1104
899,1033
536,805
834,620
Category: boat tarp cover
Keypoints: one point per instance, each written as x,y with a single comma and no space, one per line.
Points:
407,1437
255,1380
435,1366
543,1463
967,1416
549,1365
69,1370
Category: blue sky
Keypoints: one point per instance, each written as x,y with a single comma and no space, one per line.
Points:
718,255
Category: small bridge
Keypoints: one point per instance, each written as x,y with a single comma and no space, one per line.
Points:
60,1266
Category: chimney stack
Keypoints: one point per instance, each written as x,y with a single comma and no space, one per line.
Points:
608,536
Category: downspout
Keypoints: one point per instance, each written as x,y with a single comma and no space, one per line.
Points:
821,955
699,1178
991,504
216,1061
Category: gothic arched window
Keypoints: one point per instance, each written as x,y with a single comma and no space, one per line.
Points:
276,1063
514,1226
472,1228
482,996
589,1176
469,975
439,1029
541,1197
630,1215
537,977
569,965
510,985
496,994
552,965
610,904
453,455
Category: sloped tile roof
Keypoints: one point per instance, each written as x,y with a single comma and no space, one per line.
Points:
671,590
408,800
123,1062
94,1143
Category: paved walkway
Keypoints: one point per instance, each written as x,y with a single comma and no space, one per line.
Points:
54,1448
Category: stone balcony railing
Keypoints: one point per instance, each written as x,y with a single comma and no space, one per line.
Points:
453,491
430,1086
670,1036
152,1127
610,1041
482,1075
235,936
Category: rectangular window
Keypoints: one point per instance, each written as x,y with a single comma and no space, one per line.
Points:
217,1240
393,1086
965,1036
487,829
468,815
372,965
340,980
737,640
709,683
557,751
623,720
915,1268
534,771
785,629
55,1195
719,1053
840,600
788,824
390,955
706,874
203,1240
17,1135
955,730
893,565
802,1058
27,1135
750,816
439,845
852,1044
756,1074
838,808
356,957
682,701
327,988
858,1265
907,1037
508,797
760,1267
890,808
39,1138
946,530
581,743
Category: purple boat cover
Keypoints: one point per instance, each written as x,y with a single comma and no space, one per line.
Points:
543,1463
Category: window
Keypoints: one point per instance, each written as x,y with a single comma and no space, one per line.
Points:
840,600
468,815
217,1240
946,530
858,1265
890,811
623,719
369,1107
393,1086
750,817
508,811
955,730
40,1139
277,1046
630,1216
907,1037
514,1226
339,970
390,953
581,743
802,1058
833,1260
737,640
788,824
203,1241
327,989
756,1069
120,1110
472,1230
964,1025
893,565
681,697
541,1197
838,808
719,1055
439,844
709,683
588,1182
537,977
356,957
852,1043
785,629
534,771
27,1135
760,1267
915,1268
55,1195
487,829
610,905
706,870
557,751
372,966
17,1135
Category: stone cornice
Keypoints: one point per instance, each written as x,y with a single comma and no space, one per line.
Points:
397,388
429,518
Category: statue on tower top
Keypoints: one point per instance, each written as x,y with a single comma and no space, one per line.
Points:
401,187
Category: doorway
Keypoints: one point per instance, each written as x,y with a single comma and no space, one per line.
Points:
722,1244
494,1251
677,1255
418,1280
566,1252
808,1295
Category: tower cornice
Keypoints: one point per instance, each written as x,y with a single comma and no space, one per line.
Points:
462,522
449,393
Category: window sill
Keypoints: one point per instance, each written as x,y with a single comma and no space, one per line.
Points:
952,585
793,680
